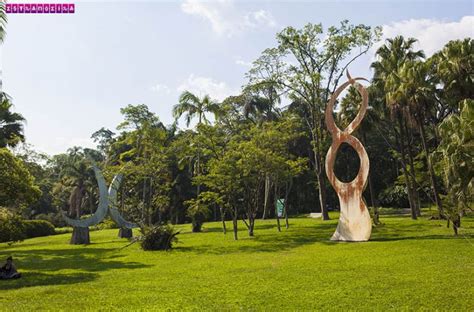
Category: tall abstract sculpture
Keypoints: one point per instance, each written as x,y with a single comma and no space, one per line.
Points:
354,220
107,203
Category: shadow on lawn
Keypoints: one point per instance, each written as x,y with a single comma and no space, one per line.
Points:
31,279
294,237
38,266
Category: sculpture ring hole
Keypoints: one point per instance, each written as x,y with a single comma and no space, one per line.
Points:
347,163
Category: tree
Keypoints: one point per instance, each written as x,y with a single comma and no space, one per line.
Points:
190,105
454,66
456,155
11,124
3,21
390,58
417,88
307,65
17,185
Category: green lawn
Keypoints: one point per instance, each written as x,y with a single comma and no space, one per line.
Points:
408,265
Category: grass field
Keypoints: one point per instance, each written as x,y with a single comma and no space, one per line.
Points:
408,265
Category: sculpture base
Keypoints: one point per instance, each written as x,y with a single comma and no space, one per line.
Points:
80,236
353,230
125,233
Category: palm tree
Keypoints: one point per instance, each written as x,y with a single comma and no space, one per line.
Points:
454,67
11,124
417,87
3,20
391,57
191,106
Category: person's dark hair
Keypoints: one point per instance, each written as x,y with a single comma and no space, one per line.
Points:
10,258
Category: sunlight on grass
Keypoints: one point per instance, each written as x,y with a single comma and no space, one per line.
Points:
407,265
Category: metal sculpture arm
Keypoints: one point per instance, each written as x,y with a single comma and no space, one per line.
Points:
101,211
113,211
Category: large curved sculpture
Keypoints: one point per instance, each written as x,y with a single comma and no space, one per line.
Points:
354,220
125,226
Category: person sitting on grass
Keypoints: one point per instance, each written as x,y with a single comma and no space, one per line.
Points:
8,271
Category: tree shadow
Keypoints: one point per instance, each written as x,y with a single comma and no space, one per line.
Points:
32,279
37,265
285,240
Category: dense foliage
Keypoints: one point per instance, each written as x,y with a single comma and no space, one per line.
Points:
269,142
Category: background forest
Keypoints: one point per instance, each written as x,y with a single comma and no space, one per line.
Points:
231,160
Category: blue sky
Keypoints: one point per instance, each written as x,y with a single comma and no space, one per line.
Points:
70,74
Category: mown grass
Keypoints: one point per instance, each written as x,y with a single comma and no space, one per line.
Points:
408,265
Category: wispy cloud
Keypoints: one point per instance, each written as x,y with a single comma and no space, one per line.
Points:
217,90
226,19
432,34
161,88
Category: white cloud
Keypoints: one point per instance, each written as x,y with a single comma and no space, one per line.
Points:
161,88
218,90
225,18
241,62
432,34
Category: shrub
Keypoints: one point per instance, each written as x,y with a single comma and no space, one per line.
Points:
395,196
12,228
107,224
54,218
38,228
160,237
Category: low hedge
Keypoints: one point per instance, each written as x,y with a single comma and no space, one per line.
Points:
38,228
14,229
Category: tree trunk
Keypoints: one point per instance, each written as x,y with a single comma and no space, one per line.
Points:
371,189
287,193
267,196
432,174
251,224
234,223
80,236
322,195
319,171
224,229
413,172
125,233
276,208
411,198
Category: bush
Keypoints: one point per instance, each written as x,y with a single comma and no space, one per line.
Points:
107,224
54,218
12,228
161,237
395,196
38,228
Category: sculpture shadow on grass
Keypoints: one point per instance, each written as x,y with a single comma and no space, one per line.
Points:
39,266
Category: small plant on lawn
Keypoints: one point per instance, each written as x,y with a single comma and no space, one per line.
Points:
159,237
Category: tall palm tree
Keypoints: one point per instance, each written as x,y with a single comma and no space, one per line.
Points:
191,106
11,124
454,67
391,57
418,87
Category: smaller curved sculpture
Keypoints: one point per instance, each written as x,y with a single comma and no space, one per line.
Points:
101,211
354,220
114,213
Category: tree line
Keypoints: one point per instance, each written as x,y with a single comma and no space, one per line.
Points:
269,142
